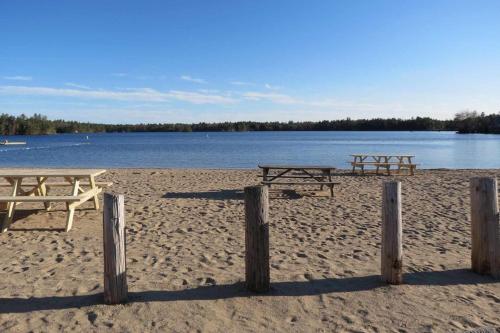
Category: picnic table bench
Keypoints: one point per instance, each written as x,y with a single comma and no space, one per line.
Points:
81,191
384,162
318,174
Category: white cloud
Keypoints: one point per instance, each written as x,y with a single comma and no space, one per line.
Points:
200,98
270,87
354,106
271,97
245,83
119,74
135,94
215,98
75,85
241,83
209,91
322,104
192,79
18,78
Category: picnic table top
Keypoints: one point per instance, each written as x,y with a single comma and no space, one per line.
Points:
384,155
51,172
299,166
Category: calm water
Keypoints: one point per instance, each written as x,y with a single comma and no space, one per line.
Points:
247,149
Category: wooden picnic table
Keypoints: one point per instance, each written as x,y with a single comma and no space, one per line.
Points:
81,181
318,173
384,161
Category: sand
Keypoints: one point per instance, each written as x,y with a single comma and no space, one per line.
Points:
185,257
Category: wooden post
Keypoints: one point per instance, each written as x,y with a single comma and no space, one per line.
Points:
115,270
392,234
257,238
485,229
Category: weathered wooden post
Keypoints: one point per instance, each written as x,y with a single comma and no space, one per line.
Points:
115,270
257,238
485,229
392,234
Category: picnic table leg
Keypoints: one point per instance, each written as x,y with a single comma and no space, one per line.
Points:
93,186
362,160
70,180
324,173
330,180
71,207
354,164
265,172
377,160
42,190
412,168
11,206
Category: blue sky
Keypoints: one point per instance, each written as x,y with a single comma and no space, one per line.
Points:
191,61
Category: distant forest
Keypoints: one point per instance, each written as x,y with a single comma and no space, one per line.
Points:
464,122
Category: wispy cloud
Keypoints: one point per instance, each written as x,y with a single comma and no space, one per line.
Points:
209,91
245,83
215,98
241,83
137,94
199,98
18,78
270,87
318,103
142,77
192,79
76,85
271,97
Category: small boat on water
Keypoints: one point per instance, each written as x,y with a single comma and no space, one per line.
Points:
7,143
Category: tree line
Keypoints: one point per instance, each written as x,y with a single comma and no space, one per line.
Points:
464,122
473,122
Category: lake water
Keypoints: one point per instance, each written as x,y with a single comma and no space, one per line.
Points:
247,149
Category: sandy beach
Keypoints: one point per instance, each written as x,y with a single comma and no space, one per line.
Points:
185,259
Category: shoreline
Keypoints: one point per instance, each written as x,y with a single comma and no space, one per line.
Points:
256,168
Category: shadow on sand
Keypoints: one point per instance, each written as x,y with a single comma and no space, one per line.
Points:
229,195
286,289
21,214
210,195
